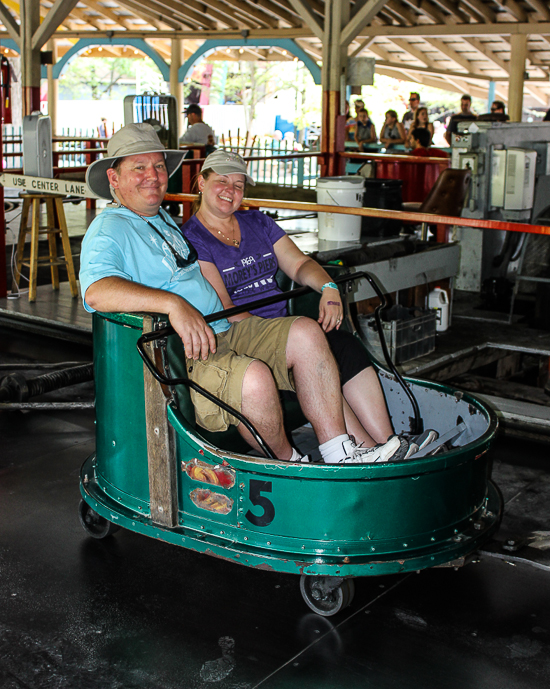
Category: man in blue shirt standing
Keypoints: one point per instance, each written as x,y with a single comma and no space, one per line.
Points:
134,258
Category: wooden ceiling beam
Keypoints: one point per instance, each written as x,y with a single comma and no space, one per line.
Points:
216,10
256,13
450,53
482,9
488,53
54,18
513,8
455,11
306,46
278,11
191,14
449,30
432,12
121,20
444,72
306,14
540,7
92,21
382,53
413,51
155,18
446,84
360,19
402,13
363,46
9,22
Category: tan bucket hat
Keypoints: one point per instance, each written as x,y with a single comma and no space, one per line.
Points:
132,139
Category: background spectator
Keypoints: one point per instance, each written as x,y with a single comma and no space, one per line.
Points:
465,114
102,129
198,132
420,139
421,121
393,131
408,117
365,131
351,124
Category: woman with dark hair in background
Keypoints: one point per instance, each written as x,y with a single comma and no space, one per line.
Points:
421,121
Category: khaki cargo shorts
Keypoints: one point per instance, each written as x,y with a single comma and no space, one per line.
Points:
222,373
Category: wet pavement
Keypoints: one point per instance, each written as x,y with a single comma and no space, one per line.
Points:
132,612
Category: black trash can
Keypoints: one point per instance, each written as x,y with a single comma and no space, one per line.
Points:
385,194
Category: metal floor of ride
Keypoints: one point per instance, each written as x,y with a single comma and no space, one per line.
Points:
135,613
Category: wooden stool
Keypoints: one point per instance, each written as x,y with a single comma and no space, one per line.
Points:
54,211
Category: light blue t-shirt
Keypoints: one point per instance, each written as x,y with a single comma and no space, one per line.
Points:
121,244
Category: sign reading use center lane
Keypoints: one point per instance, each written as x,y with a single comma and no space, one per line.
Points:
45,185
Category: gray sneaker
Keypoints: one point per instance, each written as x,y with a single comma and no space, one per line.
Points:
419,442
393,450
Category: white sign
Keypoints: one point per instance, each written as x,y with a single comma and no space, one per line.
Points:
45,185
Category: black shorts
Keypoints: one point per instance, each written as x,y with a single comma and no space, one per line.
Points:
350,354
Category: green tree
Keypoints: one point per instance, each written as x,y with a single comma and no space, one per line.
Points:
99,78
248,83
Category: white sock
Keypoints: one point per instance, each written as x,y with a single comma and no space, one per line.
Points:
333,450
295,456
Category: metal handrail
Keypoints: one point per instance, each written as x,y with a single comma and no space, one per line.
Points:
410,216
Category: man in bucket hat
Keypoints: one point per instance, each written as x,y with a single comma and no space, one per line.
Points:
134,258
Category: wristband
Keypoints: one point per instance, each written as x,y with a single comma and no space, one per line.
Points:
332,285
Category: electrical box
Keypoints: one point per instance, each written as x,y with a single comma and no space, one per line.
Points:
513,179
498,178
37,146
468,161
519,188
360,71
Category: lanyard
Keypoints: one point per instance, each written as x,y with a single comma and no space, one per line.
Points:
181,262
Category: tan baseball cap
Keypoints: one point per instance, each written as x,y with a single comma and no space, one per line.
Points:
227,163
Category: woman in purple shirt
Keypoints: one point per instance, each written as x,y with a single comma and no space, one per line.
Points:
240,253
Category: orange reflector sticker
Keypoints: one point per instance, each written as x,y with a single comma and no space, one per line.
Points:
214,475
214,502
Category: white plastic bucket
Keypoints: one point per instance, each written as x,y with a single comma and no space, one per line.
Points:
439,300
340,191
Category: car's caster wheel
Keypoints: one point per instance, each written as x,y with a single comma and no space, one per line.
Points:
327,595
93,523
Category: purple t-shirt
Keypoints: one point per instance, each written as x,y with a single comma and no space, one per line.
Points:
248,270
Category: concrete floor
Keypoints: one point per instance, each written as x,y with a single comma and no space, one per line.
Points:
132,612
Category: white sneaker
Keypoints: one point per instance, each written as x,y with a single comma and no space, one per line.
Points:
296,457
394,449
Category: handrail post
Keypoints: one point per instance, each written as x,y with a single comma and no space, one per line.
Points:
161,446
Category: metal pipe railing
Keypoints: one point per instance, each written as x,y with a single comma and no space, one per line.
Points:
408,216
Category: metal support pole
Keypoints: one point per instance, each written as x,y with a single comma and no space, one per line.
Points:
334,67
517,76
490,95
30,59
176,88
52,88
3,277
